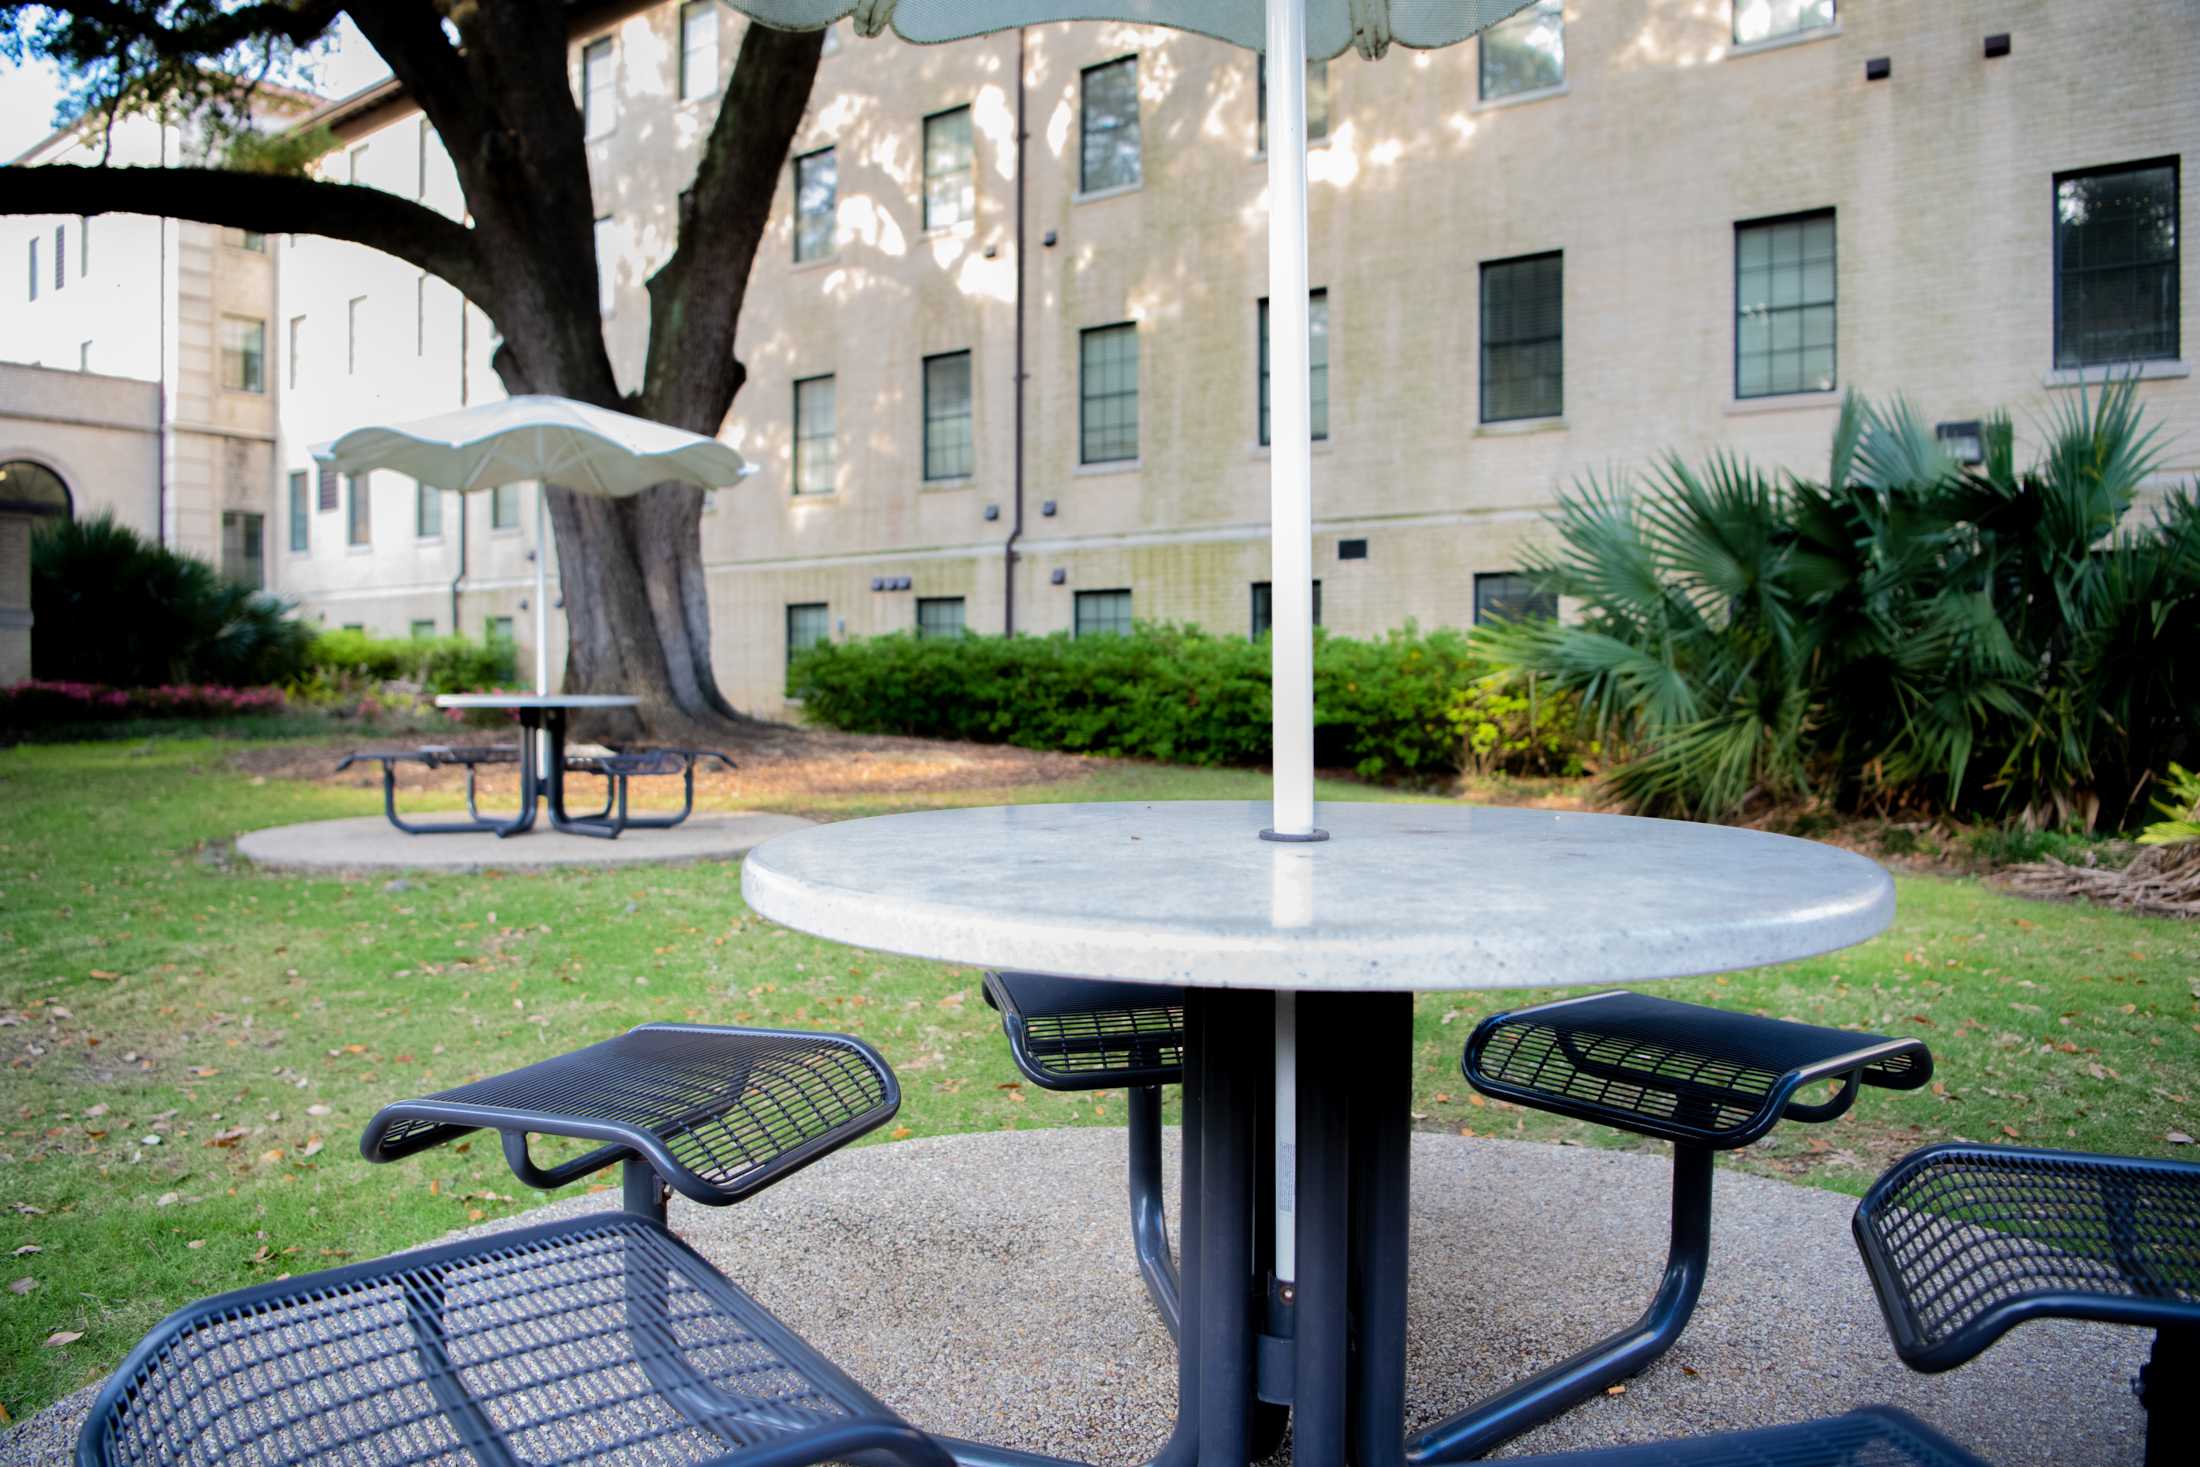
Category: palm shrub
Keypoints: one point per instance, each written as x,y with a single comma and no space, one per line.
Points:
113,607
1908,632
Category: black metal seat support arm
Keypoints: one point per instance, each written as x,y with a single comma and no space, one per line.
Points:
1558,1388
1149,1217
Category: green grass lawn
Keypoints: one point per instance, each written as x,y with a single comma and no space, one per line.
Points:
192,1047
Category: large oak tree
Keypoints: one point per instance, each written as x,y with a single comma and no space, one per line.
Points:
492,78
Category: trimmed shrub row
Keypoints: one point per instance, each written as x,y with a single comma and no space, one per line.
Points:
1412,703
436,664
35,705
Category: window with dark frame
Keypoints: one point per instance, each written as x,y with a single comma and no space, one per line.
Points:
292,349
1264,607
1109,138
1107,394
816,200
949,443
1770,20
301,513
427,511
816,438
698,49
1317,358
1317,101
504,507
243,562
34,268
1525,52
599,90
325,497
500,631
421,629
1510,596
60,256
808,624
1102,614
1784,306
1523,338
950,170
244,354
940,617
2116,264
359,524
352,312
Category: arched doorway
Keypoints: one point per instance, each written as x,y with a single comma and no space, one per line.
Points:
27,487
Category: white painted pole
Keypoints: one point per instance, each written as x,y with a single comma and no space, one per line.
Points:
542,588
1290,461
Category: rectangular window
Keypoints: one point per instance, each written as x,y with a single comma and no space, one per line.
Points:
816,445
1107,393
950,170
499,632
607,263
34,267
1783,306
698,49
354,162
2116,265
1317,319
1103,613
326,490
1317,101
422,630
1510,596
83,246
816,199
244,354
427,511
1264,607
301,513
354,316
1525,52
60,256
294,344
1523,343
949,452
359,524
940,616
420,160
504,507
1110,134
241,549
84,356
599,90
420,316
808,624
253,240
1769,20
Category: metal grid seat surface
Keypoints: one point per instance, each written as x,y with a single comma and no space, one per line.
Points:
1877,1436
600,1339
718,1112
1680,1071
1090,1033
1964,1242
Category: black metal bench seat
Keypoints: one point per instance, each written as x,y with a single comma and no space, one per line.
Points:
1705,1079
437,756
1965,1242
618,767
598,1339
1874,1436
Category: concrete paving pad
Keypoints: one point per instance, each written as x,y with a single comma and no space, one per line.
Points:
984,1286
370,843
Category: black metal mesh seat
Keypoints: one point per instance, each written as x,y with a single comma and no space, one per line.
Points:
1680,1071
470,755
645,762
601,1339
719,1113
1090,1033
1876,1436
1963,1242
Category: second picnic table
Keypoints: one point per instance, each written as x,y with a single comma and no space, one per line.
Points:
541,771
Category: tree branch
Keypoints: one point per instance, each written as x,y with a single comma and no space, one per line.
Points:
695,300
269,203
206,31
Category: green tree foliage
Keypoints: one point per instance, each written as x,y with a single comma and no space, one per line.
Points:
436,664
1909,633
1409,704
112,607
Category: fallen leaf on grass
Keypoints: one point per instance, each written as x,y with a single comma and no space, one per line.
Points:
23,1285
2178,1138
104,976
316,1110
95,1112
272,1155
901,1133
311,1148
475,1214
28,1248
2009,1131
196,1243
229,1137
168,1199
62,1337
204,1072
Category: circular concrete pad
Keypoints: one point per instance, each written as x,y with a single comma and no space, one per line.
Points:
371,843
984,1286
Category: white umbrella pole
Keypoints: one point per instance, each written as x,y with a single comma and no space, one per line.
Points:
542,611
1290,462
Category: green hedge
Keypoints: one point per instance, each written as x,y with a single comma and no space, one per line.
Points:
437,664
1411,703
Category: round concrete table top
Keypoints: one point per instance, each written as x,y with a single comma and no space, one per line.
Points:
537,700
1399,897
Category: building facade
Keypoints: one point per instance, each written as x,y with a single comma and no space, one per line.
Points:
1609,231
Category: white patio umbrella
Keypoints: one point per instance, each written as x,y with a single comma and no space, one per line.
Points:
1290,31
552,440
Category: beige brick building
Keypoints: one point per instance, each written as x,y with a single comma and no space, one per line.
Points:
1621,228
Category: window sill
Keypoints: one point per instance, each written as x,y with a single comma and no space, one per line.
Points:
1516,427
830,257
1782,402
1094,197
504,532
814,496
429,541
2158,370
1261,452
960,229
963,481
1523,99
1781,43
1111,466
366,549
1313,145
